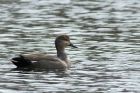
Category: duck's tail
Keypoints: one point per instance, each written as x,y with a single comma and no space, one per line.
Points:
21,61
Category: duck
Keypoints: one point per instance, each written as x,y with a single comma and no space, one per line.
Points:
44,60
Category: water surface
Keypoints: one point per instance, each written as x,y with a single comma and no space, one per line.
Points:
106,32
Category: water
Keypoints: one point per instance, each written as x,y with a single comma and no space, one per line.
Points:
106,32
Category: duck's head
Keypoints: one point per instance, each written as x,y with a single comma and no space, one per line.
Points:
63,41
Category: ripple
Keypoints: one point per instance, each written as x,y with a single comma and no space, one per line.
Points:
106,33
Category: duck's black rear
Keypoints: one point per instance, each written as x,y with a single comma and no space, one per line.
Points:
20,61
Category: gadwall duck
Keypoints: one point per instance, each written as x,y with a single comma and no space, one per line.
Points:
45,61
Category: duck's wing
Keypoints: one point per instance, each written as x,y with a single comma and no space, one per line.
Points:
24,60
50,62
34,56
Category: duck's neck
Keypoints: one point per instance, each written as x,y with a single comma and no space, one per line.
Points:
61,50
62,55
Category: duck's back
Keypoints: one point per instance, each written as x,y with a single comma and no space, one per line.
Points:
35,56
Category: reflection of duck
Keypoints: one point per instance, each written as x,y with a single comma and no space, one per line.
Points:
44,61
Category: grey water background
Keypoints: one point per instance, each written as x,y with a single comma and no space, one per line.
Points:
107,33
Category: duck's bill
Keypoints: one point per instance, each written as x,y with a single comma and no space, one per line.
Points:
73,45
